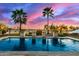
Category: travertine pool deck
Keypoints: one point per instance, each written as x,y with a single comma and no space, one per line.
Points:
38,53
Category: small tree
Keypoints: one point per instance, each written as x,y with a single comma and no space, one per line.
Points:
53,29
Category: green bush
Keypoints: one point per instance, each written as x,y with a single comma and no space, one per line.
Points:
64,34
3,31
29,34
38,32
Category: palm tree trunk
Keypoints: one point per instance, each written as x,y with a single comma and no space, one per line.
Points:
20,30
48,24
48,20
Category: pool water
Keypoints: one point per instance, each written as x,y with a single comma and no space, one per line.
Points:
10,44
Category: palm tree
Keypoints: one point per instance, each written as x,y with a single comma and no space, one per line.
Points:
65,29
48,13
45,28
19,16
53,29
62,29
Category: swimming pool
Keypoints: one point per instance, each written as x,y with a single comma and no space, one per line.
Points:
11,44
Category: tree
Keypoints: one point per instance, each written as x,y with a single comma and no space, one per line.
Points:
48,13
65,29
45,28
53,29
62,29
19,16
3,28
39,32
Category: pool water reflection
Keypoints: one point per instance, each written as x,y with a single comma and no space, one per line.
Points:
10,44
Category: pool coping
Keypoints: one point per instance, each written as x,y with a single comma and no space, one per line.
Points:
42,36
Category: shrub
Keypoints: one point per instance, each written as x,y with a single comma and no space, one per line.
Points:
64,34
38,32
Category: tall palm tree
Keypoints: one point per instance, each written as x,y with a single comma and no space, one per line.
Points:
19,16
48,12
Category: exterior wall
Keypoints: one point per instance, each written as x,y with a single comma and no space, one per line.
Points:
13,31
33,31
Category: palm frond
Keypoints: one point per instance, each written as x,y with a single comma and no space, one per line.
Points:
19,16
48,12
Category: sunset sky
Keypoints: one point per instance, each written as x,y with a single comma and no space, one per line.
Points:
64,13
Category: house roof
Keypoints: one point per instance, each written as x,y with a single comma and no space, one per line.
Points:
75,31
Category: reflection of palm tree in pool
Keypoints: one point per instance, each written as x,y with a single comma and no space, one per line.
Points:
44,40
33,40
19,16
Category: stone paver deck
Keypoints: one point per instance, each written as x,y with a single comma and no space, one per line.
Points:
38,53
